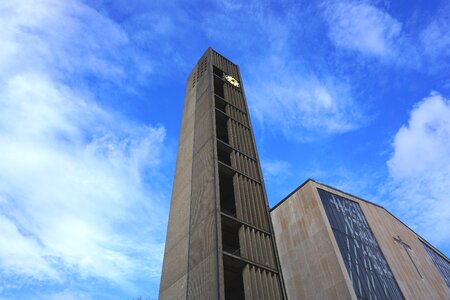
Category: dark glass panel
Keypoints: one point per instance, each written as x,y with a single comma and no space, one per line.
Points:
441,263
218,87
226,190
366,265
222,128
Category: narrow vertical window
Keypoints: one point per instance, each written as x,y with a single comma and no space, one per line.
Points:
366,265
441,263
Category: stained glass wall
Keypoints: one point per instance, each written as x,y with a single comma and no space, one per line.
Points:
442,264
366,265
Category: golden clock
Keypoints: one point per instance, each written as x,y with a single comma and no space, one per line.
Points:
232,80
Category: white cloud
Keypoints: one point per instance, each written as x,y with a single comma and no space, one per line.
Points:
361,27
61,35
274,170
304,107
78,183
434,39
285,93
277,176
230,5
420,169
372,31
22,254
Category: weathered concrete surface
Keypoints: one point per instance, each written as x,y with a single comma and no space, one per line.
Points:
310,258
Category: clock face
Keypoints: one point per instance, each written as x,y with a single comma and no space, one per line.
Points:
231,80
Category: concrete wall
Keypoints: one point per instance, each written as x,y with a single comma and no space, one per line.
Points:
193,266
312,269
310,259
174,273
429,284
190,267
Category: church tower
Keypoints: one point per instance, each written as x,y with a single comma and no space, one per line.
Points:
220,242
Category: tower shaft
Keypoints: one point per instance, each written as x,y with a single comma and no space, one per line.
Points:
220,242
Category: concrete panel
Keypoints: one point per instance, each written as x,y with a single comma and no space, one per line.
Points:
175,264
183,171
193,262
202,281
424,282
176,291
186,136
184,179
308,258
203,84
305,240
203,200
202,240
385,227
203,131
180,213
204,104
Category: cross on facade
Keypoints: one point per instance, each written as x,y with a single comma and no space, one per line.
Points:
407,248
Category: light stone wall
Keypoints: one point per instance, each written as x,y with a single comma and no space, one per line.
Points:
310,259
190,265
312,268
193,265
429,284
174,272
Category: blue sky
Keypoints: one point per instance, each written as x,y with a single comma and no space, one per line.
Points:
354,94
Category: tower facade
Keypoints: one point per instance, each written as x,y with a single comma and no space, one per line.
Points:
220,242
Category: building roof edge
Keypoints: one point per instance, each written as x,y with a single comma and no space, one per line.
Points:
361,199
291,193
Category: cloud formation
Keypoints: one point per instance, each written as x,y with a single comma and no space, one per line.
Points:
287,93
79,195
434,39
420,169
362,27
304,107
